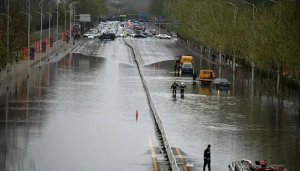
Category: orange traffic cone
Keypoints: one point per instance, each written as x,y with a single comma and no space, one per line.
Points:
136,115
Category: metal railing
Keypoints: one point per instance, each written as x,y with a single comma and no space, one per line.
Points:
158,119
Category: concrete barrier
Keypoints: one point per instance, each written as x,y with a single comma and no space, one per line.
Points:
158,119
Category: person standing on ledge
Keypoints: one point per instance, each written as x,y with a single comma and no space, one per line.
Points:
207,158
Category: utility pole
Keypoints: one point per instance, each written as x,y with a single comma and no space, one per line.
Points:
253,14
56,25
28,37
70,32
49,28
41,32
65,18
7,31
234,23
71,13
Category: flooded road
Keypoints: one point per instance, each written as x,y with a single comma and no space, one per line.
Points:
239,123
78,113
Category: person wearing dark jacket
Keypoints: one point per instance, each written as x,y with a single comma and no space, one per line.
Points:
207,158
194,76
178,68
174,86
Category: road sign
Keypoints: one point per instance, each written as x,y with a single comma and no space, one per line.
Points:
122,15
85,18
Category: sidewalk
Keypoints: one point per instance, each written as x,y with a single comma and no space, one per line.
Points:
21,66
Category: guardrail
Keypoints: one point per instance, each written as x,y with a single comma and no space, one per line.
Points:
158,120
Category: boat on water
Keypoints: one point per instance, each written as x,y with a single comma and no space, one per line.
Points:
246,165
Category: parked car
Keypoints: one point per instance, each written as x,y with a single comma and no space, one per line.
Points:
220,83
187,68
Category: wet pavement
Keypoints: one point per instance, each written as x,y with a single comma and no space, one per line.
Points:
79,113
239,123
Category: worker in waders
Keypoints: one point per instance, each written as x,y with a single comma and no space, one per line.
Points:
207,158
174,87
182,87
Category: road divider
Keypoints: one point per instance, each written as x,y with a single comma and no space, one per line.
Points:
158,119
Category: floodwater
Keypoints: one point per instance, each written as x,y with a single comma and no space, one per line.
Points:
78,113
243,122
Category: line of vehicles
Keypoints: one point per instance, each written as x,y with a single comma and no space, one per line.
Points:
205,77
114,29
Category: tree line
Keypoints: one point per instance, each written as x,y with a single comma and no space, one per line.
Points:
265,32
19,21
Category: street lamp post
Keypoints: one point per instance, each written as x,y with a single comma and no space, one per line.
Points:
49,33
274,1
41,31
74,15
234,22
6,3
28,35
57,14
71,13
49,28
220,55
65,6
41,34
254,9
278,65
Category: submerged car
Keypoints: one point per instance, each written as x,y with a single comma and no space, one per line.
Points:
220,83
187,68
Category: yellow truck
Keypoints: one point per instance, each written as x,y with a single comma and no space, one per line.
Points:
206,76
186,59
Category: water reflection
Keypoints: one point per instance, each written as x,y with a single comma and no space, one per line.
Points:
204,90
23,113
